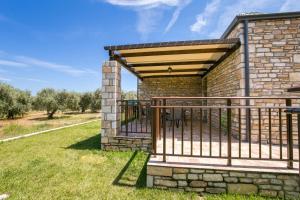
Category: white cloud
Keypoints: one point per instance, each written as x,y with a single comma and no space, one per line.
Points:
5,79
176,14
203,18
12,63
144,3
150,12
147,21
34,80
9,60
290,5
50,65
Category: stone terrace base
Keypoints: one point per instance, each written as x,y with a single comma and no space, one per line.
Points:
123,143
215,179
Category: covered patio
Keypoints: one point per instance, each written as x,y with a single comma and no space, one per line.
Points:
187,128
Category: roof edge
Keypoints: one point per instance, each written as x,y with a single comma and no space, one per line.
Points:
253,17
172,44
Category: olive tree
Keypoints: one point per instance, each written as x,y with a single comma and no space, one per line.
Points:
129,95
96,101
13,102
51,101
72,101
85,101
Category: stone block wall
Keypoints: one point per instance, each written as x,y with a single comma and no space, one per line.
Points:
111,93
210,181
274,54
111,113
227,80
169,86
274,62
123,143
274,59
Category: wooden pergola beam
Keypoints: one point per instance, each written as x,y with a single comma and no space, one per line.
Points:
174,52
162,76
172,63
124,64
173,70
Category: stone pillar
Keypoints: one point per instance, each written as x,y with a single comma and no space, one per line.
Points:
111,93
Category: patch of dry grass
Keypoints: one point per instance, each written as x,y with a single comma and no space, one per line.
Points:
38,121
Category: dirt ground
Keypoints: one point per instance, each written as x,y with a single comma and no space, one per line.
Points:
38,121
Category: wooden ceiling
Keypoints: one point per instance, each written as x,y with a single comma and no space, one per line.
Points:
183,58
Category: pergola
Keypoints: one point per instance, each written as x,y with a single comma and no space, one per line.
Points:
181,58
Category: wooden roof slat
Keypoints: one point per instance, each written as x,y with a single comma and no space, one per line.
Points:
175,58
173,71
174,52
173,63
174,67
165,68
171,74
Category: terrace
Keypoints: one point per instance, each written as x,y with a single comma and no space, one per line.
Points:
192,133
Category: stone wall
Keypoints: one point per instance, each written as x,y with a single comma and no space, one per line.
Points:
169,86
227,80
124,143
111,94
209,181
111,113
274,59
274,54
274,63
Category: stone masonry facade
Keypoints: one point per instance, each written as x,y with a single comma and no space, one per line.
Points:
210,181
274,62
111,94
169,86
111,113
274,58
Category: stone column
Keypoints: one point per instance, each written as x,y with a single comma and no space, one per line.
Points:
111,93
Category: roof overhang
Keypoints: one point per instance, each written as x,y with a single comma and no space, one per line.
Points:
182,58
258,16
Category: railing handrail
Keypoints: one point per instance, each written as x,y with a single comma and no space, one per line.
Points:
266,107
160,118
131,100
235,97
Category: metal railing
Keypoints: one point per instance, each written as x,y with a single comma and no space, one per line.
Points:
135,117
268,127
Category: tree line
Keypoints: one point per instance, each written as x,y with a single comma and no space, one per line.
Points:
15,102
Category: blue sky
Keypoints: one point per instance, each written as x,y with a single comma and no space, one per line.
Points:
59,43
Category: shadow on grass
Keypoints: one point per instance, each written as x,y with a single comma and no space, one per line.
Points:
47,119
92,143
80,113
142,176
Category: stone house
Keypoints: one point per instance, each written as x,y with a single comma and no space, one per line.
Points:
257,58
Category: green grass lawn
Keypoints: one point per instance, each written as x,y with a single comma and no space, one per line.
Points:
68,164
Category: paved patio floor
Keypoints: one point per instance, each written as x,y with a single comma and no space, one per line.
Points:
192,149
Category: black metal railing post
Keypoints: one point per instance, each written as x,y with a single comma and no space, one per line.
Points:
126,117
164,131
154,126
298,123
289,128
229,131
